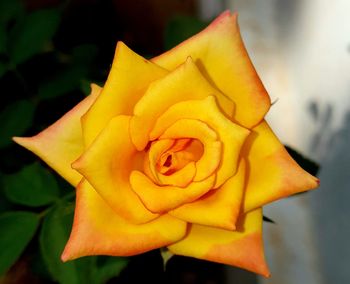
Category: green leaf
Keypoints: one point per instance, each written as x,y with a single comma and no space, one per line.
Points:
10,9
5,204
62,84
181,28
37,265
85,87
32,186
84,54
111,267
53,237
17,229
29,35
15,119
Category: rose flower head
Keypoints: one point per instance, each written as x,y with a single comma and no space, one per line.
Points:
174,152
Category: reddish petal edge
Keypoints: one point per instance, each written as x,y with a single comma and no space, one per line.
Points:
242,248
98,230
62,143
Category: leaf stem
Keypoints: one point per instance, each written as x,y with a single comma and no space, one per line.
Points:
66,197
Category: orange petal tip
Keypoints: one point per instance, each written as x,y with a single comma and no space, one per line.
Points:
223,15
65,256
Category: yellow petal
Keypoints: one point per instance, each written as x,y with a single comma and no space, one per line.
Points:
98,230
127,81
185,83
273,174
157,148
242,248
221,56
219,207
230,134
164,198
181,178
107,165
62,142
191,128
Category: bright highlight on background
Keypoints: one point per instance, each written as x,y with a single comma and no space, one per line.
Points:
301,50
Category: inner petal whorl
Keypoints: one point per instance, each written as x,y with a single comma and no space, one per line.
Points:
172,161
179,155
208,160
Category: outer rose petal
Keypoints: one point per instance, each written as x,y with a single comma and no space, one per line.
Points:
185,83
127,81
230,134
273,174
218,208
220,54
242,248
62,142
97,229
107,165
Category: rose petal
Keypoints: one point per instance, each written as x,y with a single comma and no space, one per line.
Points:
180,178
218,208
127,81
160,199
157,148
183,151
98,230
107,165
221,56
62,142
230,134
185,83
242,248
191,128
273,174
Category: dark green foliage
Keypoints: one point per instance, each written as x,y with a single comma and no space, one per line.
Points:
34,75
3,39
32,186
31,33
72,76
10,10
181,28
17,229
108,267
62,83
53,237
15,119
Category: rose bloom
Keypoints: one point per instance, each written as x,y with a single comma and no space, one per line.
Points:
174,152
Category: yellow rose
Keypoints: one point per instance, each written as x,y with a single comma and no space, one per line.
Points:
174,152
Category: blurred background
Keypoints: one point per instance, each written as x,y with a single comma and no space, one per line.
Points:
50,51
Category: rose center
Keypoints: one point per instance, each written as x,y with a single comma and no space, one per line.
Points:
167,162
182,152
